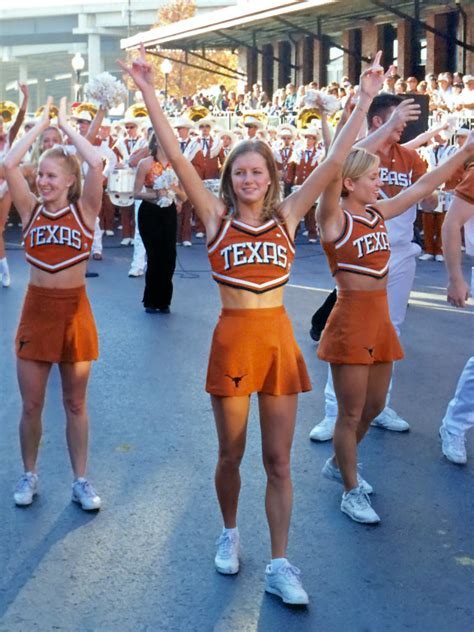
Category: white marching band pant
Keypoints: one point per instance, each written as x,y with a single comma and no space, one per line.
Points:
459,415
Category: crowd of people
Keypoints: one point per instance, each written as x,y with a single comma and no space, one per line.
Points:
448,93
248,190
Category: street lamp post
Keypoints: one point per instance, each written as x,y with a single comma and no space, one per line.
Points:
78,62
166,68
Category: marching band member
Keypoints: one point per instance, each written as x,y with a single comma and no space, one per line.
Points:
210,148
56,325
283,152
106,142
190,148
302,163
228,140
435,154
129,143
252,125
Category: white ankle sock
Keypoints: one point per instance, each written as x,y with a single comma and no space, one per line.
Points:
231,532
278,562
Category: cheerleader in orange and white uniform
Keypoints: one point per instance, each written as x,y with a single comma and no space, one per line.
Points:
56,324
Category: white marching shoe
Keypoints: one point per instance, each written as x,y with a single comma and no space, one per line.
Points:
324,430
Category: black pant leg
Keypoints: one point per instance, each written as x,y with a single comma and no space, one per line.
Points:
166,254
149,225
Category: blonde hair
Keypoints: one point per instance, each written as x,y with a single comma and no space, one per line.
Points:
38,146
357,164
272,198
72,166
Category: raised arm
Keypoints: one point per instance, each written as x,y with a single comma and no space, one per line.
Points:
326,132
405,112
296,205
424,137
96,123
22,197
91,198
208,206
20,117
460,212
428,183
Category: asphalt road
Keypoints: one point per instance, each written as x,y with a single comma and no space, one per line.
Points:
145,562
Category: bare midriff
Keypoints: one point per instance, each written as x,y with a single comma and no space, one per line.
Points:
233,298
351,281
62,280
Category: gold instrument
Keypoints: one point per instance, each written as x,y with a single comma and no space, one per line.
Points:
53,112
196,113
335,118
8,111
259,115
305,116
137,110
85,107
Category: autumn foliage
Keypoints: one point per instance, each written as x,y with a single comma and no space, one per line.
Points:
185,80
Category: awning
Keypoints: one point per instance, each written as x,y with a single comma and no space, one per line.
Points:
269,23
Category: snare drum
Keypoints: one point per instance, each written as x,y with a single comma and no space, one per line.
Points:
212,185
120,186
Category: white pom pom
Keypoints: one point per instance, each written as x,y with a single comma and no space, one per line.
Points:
326,102
107,91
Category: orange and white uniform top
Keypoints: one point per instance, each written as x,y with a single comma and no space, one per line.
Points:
398,170
362,248
57,240
249,258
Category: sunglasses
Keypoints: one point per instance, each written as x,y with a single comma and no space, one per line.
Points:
130,126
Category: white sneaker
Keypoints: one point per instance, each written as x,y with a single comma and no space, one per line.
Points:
439,258
390,420
187,244
333,473
26,489
6,280
227,556
84,494
109,233
135,272
305,233
426,257
324,430
285,582
126,241
357,506
453,446
200,235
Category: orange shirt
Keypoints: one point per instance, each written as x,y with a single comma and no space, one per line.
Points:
250,258
399,170
465,189
57,240
362,248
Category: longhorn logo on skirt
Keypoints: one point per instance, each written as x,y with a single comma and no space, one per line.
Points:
237,379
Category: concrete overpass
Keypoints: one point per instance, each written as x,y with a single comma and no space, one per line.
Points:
38,43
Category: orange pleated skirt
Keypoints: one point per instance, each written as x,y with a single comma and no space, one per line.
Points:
359,330
57,325
254,350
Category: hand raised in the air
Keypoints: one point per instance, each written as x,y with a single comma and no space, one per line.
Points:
140,71
371,80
